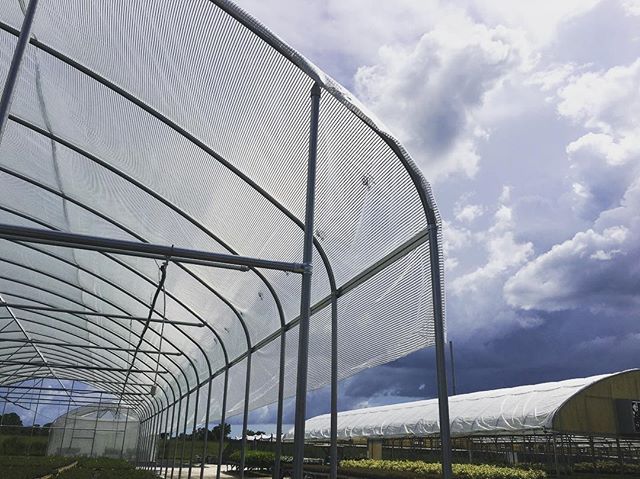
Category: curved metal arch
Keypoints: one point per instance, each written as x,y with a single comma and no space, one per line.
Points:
77,357
137,299
49,275
37,184
415,175
121,309
74,335
120,263
108,391
110,221
99,327
183,133
236,171
166,121
28,284
106,373
94,159
134,406
114,376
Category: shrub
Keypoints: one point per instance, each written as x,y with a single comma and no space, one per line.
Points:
607,467
254,459
465,471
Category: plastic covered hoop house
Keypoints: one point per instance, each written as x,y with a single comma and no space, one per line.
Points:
186,123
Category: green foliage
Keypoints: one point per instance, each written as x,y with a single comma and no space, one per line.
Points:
104,468
465,471
19,445
254,459
104,463
607,467
27,467
167,448
10,419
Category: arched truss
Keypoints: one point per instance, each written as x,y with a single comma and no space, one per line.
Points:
186,132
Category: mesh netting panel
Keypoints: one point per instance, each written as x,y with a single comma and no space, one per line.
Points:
187,123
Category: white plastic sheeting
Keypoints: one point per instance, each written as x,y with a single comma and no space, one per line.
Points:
187,123
105,431
509,410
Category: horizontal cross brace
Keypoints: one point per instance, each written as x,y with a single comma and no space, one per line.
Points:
146,250
72,391
88,346
75,402
83,380
77,366
28,377
140,319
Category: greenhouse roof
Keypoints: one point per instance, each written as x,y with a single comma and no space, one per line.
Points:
500,411
153,130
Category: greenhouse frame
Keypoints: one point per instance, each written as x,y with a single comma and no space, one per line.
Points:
197,221
558,424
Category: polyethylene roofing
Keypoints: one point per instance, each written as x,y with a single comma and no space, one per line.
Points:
186,123
514,410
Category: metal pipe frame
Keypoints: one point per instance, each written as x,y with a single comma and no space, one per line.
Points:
16,62
305,296
72,391
201,145
26,307
89,346
176,328
143,250
410,169
138,386
223,417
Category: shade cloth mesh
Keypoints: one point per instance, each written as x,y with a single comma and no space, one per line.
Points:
187,123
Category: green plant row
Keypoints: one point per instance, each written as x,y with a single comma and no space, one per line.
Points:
466,471
607,467
254,459
104,468
52,462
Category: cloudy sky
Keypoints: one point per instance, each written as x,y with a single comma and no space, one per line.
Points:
525,117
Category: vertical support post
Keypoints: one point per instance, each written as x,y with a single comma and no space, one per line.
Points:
333,446
175,443
555,455
35,414
148,453
278,451
223,418
66,418
124,433
139,442
152,441
184,432
194,430
453,370
168,434
14,68
441,368
95,429
305,295
205,447
245,416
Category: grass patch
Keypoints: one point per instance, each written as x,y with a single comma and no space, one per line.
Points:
28,467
